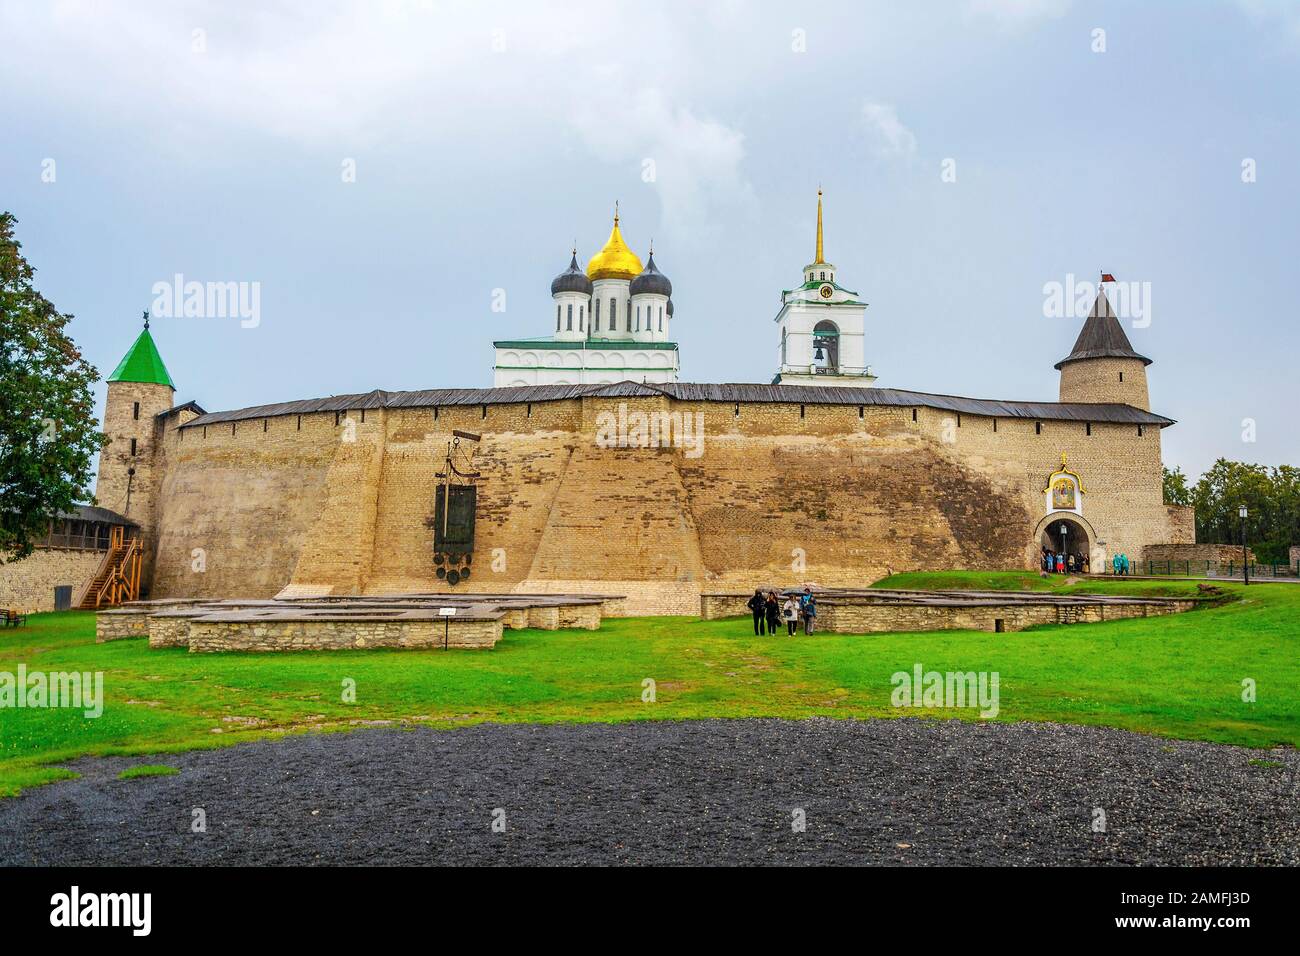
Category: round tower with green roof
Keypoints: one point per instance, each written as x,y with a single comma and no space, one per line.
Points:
139,390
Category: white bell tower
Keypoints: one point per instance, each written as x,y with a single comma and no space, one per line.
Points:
822,328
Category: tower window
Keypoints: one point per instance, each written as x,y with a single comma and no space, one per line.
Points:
265,422
1121,376
737,412
1140,431
484,415
995,424
336,419
959,421
914,414
132,447
1088,429
595,315
661,318
299,423
823,276
803,410
613,314
569,322
557,316
581,327
1038,428
435,413
860,411
528,410
135,411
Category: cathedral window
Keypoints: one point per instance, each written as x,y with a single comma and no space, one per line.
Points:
132,447
135,408
613,314
823,276
557,316
570,319
661,318
596,316
580,319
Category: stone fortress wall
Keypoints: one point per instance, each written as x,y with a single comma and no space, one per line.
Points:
335,502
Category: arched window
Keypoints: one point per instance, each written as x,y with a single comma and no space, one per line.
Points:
596,316
557,316
661,318
826,348
613,314
580,320
638,318
570,317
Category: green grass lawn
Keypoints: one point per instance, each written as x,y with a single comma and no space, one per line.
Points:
1178,676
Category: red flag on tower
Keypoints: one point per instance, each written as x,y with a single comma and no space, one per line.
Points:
1107,277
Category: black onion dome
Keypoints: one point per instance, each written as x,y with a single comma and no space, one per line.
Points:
670,308
651,281
572,279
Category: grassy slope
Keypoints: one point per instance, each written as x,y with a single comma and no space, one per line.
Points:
1177,676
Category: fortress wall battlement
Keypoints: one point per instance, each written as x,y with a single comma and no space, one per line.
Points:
332,503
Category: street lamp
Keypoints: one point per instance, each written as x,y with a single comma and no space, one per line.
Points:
1064,551
1245,565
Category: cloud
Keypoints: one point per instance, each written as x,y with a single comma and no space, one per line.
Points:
1017,13
890,136
1286,13
696,161
330,74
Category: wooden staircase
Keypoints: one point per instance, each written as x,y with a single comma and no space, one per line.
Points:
118,577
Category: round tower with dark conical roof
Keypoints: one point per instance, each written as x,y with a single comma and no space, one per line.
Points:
139,390
1102,366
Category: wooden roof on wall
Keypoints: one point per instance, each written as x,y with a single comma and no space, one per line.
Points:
685,391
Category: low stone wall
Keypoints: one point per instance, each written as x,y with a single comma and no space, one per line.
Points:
584,616
170,630
640,598
116,625
714,606
1193,558
516,619
544,618
213,636
28,585
875,618
902,611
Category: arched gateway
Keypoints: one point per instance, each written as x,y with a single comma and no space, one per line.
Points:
1065,532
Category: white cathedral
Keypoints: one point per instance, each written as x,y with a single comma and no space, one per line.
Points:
612,324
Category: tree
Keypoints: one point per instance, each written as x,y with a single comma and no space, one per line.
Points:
48,431
1272,500
1176,490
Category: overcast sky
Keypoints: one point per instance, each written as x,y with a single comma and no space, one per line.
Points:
140,140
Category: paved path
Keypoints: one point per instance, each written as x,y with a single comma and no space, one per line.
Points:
901,791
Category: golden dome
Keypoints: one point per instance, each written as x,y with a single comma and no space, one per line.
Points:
616,260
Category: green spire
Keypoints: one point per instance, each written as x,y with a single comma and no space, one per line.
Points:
143,363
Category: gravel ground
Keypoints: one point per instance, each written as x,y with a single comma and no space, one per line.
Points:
901,791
